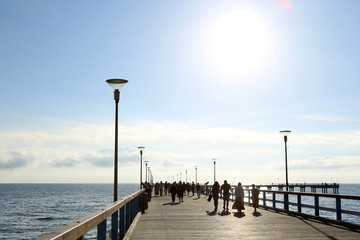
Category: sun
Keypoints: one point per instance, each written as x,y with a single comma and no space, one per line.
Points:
237,43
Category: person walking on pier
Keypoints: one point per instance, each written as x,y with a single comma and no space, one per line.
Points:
215,194
193,188
255,197
161,188
180,192
198,188
225,188
239,198
166,188
173,190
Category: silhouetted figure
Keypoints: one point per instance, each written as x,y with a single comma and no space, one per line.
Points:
149,190
198,188
180,192
156,188
173,190
255,197
225,188
161,188
193,188
239,198
215,194
166,188
188,188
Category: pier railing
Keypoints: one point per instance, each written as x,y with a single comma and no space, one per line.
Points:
335,208
122,214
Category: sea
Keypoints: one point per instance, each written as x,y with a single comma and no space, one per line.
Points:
28,211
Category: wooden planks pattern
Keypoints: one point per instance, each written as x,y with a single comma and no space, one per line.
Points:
195,219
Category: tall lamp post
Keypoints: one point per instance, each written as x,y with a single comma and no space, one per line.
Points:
141,153
146,169
286,197
286,133
214,159
196,174
186,175
116,84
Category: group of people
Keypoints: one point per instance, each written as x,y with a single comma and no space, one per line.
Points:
173,189
239,196
180,188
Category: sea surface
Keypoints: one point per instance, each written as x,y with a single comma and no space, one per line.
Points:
28,211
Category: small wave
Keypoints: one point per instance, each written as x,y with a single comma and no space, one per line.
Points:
46,218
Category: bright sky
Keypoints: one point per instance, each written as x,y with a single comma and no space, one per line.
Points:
207,79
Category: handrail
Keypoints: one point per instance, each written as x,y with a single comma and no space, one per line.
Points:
297,202
328,195
128,208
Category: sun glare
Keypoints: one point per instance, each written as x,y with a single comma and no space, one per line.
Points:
237,43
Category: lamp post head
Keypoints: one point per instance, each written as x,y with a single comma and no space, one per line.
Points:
141,149
285,133
214,159
116,84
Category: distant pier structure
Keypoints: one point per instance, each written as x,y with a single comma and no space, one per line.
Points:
302,187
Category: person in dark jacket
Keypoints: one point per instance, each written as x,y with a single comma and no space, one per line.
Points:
180,192
225,188
215,194
173,190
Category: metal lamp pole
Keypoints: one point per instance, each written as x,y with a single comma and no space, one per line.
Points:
196,174
285,133
146,169
116,84
286,197
214,169
141,153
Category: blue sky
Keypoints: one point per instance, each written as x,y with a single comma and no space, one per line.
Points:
207,79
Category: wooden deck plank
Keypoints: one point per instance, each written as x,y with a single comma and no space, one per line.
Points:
194,219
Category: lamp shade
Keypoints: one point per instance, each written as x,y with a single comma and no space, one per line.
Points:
285,132
116,83
141,148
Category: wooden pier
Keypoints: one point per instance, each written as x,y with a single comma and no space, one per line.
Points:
195,219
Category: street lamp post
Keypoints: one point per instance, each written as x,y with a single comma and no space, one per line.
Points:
141,153
186,175
196,174
214,169
116,84
286,133
146,169
286,197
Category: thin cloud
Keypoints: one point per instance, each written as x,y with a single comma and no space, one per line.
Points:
68,162
13,163
326,163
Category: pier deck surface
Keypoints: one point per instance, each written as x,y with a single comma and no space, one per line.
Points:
194,219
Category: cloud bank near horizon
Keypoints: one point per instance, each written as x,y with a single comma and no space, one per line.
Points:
172,145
